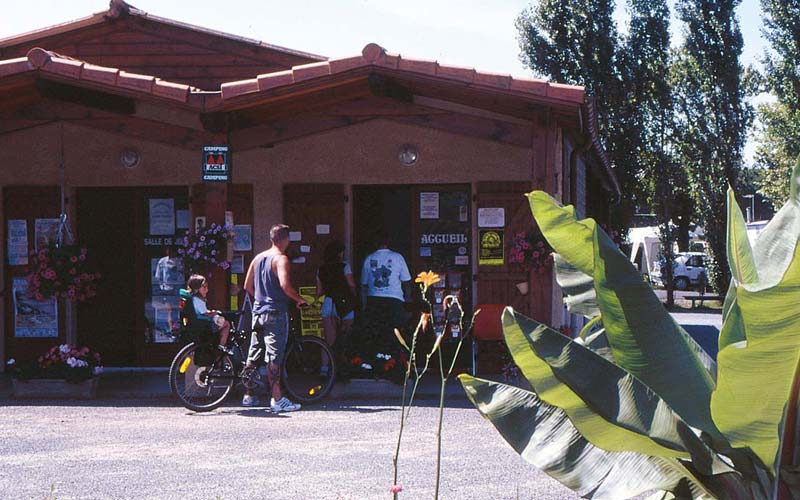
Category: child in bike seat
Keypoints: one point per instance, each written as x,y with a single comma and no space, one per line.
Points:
197,285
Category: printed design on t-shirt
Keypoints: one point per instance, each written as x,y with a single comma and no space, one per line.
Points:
380,275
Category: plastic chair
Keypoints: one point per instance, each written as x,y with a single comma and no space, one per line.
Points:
488,327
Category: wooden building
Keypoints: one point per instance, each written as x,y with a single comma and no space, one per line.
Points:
113,111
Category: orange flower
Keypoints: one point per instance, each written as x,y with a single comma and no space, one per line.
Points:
427,279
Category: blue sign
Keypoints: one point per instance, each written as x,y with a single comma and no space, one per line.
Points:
216,164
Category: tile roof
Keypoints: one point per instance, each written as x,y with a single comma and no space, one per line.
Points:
119,8
373,55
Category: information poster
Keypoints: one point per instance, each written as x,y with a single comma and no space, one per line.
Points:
33,318
242,238
46,232
429,205
162,216
491,248
311,316
492,217
17,249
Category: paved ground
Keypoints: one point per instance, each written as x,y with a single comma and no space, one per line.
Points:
151,449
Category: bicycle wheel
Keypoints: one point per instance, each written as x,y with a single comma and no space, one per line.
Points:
304,376
200,388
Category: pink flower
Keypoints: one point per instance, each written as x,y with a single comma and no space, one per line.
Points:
396,488
73,259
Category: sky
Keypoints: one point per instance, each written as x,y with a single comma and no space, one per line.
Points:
454,32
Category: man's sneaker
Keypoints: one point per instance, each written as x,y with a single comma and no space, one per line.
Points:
283,405
249,400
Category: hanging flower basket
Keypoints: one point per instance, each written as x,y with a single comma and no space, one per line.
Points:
62,272
205,247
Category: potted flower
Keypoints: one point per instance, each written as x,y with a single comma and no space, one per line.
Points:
530,250
205,247
63,371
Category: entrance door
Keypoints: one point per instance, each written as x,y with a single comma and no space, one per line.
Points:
129,232
107,225
496,281
376,209
24,205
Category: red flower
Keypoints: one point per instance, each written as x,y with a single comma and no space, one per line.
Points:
356,360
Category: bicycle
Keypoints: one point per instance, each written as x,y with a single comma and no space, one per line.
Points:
203,377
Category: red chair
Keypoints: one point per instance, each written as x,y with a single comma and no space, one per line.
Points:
488,328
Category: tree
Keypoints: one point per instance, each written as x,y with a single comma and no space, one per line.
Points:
647,50
712,115
577,43
779,134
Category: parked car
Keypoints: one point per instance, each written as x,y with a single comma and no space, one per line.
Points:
687,269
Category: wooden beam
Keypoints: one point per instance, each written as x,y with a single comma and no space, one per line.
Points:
289,128
472,126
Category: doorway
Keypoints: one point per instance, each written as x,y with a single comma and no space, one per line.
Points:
127,231
379,208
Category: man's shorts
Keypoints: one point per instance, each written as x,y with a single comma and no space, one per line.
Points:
329,310
269,337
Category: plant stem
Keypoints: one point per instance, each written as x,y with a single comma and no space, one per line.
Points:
439,429
411,362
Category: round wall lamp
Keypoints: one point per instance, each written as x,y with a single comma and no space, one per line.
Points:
408,154
129,158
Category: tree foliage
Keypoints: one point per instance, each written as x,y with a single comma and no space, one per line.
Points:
779,134
578,43
712,115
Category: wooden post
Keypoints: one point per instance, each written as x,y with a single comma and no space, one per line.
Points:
216,202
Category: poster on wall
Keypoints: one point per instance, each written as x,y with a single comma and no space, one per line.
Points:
17,244
311,316
33,318
491,248
162,216
429,205
492,217
242,238
46,232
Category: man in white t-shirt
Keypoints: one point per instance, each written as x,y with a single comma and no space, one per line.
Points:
384,285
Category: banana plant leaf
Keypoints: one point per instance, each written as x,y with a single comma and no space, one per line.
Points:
611,408
578,288
545,437
645,340
760,339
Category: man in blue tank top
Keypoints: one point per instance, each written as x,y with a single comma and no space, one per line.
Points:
268,282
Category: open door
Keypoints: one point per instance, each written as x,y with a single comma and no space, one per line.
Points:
496,281
315,215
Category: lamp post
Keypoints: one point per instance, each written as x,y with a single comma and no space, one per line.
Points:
751,210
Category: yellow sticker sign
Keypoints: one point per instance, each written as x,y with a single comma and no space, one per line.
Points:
311,316
491,248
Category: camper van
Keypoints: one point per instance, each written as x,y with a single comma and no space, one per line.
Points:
645,249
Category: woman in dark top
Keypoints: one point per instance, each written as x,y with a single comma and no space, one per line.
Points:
335,280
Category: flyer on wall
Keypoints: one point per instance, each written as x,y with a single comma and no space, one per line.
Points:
33,318
17,249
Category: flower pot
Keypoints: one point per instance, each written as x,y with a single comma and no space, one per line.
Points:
522,287
46,388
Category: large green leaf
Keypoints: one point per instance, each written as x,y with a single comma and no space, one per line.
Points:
545,437
578,288
760,339
610,407
645,340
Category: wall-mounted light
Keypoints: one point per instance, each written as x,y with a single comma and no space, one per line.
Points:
129,158
408,154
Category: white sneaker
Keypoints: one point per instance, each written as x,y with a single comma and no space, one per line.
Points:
283,405
249,400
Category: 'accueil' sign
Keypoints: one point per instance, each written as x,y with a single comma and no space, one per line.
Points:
216,164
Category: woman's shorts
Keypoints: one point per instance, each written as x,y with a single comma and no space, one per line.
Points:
329,310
